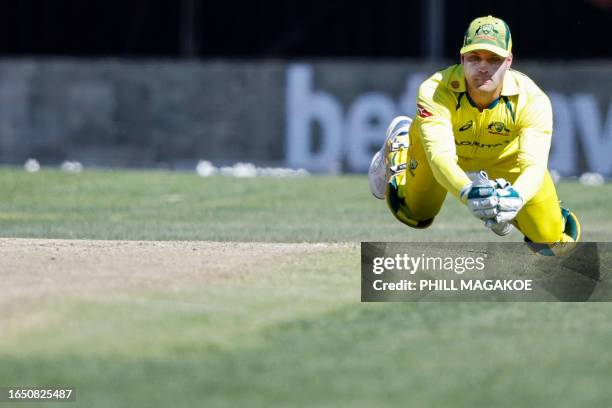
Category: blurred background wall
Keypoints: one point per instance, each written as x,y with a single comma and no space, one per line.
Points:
304,84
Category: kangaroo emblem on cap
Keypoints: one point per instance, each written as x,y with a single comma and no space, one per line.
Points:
486,29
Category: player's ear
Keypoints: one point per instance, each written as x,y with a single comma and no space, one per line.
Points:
509,60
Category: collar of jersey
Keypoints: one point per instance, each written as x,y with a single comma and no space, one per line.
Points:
471,101
509,88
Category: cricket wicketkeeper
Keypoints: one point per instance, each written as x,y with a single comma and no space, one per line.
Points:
482,132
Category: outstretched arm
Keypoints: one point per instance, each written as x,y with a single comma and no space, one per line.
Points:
434,124
534,145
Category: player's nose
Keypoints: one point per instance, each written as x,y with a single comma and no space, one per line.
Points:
483,68
480,65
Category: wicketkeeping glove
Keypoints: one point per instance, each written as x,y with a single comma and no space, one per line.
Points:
501,229
480,197
509,201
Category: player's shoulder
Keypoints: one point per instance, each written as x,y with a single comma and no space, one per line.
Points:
530,96
439,83
442,77
524,83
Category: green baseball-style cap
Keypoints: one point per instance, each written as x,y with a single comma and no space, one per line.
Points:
488,33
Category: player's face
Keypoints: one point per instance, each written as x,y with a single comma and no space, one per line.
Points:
485,70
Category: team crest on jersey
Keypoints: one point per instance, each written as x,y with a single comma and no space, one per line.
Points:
498,128
424,113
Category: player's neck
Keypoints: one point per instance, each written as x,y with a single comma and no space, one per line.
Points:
483,99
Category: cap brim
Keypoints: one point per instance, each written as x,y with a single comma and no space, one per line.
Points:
484,46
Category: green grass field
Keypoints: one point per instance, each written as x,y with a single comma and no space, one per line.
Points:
259,324
174,206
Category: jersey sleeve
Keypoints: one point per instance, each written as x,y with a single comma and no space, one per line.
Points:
535,136
433,123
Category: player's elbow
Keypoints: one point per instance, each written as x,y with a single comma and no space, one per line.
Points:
442,159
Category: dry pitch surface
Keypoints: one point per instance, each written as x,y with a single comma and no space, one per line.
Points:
36,270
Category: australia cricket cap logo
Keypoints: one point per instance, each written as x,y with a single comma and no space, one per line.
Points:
487,29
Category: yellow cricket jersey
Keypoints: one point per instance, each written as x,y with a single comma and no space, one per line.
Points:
513,133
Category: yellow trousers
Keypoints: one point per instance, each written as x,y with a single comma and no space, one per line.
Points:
415,197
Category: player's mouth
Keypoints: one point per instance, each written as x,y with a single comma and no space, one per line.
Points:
484,81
